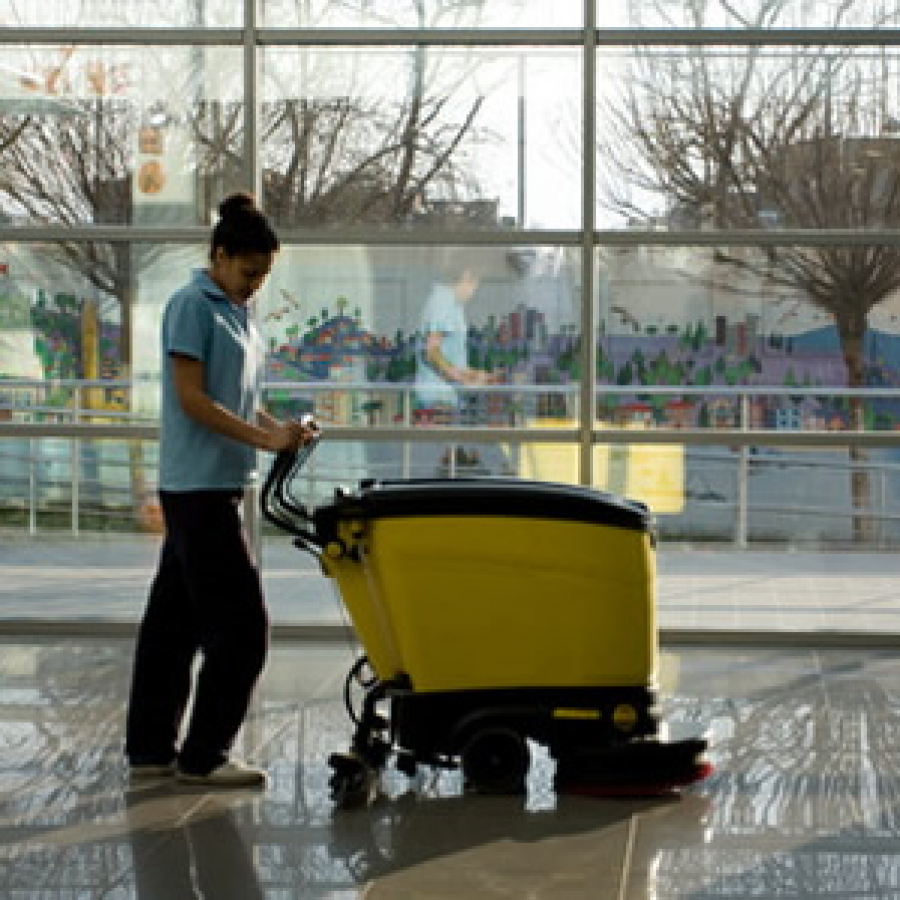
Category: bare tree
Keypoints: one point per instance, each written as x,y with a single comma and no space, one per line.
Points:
332,150
754,138
336,150
70,169
359,136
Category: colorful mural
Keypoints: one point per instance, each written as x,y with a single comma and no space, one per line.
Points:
518,348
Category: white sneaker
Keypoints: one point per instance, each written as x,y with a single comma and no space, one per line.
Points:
233,773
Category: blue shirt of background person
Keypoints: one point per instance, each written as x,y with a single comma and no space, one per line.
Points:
442,361
201,323
445,317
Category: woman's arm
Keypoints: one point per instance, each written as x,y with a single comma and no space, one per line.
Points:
188,379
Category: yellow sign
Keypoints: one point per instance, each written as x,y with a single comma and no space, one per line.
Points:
559,462
651,473
655,475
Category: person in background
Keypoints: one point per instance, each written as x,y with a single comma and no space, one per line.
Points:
442,365
206,596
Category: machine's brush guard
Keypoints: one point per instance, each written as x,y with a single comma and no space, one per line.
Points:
463,690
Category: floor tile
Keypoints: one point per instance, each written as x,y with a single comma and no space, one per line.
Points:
804,800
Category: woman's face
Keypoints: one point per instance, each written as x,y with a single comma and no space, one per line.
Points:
240,276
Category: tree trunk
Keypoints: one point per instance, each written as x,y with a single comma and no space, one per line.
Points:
143,504
851,334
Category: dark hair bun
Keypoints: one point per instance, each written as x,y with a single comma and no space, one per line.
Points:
236,204
242,228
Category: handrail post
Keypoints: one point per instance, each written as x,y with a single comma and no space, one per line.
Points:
740,536
76,468
407,400
33,449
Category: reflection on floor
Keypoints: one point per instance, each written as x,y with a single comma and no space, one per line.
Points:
805,801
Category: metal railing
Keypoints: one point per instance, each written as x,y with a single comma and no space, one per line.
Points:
511,417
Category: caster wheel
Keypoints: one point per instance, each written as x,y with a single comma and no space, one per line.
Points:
352,780
496,761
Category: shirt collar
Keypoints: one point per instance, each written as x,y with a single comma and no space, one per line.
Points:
200,278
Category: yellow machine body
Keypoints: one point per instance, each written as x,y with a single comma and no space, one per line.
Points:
459,602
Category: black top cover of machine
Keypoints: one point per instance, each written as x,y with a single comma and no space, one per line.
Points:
484,497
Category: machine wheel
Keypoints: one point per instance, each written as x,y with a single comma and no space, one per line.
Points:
351,781
496,761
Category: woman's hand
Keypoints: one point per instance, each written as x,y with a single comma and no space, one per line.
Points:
286,434
310,428
292,434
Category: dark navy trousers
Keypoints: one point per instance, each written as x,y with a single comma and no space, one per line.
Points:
206,598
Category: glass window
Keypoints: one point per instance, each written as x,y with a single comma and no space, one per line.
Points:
119,135
745,284
120,14
384,336
54,484
88,310
783,317
416,14
748,14
748,138
422,137
759,339
336,320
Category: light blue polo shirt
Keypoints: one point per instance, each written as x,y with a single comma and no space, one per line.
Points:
443,314
202,323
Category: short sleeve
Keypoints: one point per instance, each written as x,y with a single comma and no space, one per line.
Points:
187,326
439,314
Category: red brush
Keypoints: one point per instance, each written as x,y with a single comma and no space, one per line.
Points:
646,768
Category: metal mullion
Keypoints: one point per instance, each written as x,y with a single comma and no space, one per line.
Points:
588,386
786,237
123,36
252,175
404,236
687,437
404,37
748,37
603,37
569,37
109,233
400,236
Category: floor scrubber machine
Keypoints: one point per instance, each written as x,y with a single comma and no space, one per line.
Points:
491,612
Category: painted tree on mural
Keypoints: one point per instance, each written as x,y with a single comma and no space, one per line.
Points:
770,138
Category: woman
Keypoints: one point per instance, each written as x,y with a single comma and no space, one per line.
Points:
207,595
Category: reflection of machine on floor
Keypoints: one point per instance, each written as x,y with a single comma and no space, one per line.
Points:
494,611
404,831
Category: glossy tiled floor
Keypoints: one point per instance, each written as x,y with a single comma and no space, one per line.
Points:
805,801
